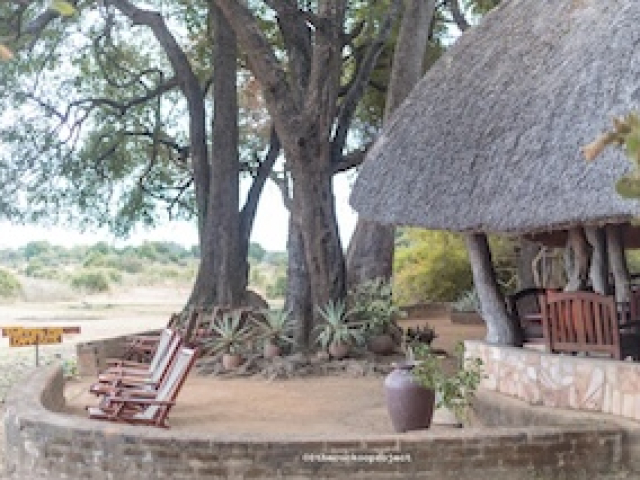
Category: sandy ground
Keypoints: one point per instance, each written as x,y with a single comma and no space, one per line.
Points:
303,407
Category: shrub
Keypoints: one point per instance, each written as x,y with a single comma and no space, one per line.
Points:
278,288
91,280
431,267
9,284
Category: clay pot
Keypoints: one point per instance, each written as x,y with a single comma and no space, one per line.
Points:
231,361
410,405
338,350
382,344
271,350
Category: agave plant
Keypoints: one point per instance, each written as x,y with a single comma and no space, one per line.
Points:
230,334
337,330
276,327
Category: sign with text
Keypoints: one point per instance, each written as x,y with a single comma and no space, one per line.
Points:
21,336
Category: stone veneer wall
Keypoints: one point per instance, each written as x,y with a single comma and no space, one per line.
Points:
539,378
44,443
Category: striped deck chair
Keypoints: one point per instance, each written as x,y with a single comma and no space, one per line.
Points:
148,409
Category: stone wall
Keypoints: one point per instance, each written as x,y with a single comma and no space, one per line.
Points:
44,443
539,378
92,355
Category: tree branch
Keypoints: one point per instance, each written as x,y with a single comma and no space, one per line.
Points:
349,161
458,16
263,63
350,102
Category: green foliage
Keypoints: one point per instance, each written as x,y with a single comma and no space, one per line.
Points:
430,267
625,134
256,252
337,329
277,326
467,302
230,334
372,304
91,280
278,287
9,284
454,391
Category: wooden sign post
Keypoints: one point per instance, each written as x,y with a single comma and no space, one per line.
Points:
21,337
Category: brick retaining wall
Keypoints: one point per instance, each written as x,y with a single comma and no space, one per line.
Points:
43,443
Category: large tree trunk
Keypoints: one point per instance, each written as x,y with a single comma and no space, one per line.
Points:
525,258
313,211
618,262
578,260
599,271
501,329
298,303
219,279
370,253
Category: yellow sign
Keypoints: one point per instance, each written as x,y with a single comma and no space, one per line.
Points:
20,337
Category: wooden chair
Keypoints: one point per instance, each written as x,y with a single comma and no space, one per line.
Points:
142,347
123,377
525,306
115,364
586,322
150,409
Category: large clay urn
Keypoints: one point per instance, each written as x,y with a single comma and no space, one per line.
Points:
409,404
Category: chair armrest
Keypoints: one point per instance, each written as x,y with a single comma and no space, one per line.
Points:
139,400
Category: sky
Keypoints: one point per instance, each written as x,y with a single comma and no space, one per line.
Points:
270,228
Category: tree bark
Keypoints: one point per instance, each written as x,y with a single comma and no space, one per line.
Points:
298,304
501,329
219,279
526,256
579,255
618,262
370,252
599,271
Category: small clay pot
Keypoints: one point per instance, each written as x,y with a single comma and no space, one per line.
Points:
271,350
338,350
231,361
382,344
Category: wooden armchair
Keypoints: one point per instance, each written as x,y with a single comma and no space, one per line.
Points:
149,407
589,323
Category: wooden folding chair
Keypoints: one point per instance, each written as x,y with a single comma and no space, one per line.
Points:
136,378
150,409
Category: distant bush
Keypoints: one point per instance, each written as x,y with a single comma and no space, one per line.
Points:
9,284
431,267
91,280
278,288
164,274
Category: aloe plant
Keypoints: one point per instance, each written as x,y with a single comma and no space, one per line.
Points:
336,328
230,334
276,327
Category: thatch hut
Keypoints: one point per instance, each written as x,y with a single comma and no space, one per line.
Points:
490,139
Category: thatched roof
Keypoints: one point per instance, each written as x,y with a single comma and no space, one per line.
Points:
490,138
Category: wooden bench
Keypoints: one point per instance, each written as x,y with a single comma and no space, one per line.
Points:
586,322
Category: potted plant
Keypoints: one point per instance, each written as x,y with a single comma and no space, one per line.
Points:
275,328
337,335
230,335
416,387
372,305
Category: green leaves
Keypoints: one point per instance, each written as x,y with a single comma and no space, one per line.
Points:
63,8
626,134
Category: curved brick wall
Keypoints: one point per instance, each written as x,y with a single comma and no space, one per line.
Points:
43,443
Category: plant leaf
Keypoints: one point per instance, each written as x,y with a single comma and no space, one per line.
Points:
63,8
